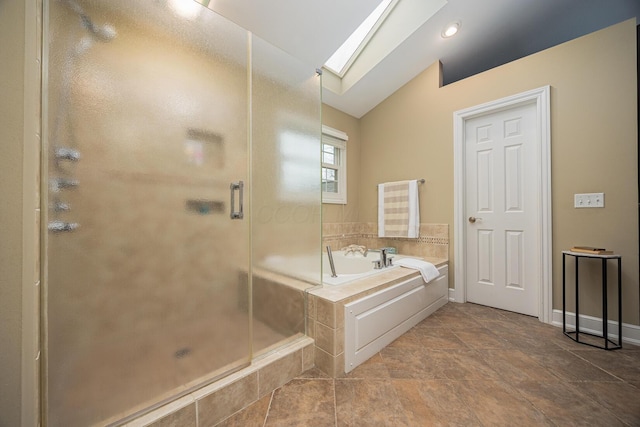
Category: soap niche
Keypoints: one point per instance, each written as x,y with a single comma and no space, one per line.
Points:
204,148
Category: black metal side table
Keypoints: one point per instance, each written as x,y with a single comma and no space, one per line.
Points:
575,335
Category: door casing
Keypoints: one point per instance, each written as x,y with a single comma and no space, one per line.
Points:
541,97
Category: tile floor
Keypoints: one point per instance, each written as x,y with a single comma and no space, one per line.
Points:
466,365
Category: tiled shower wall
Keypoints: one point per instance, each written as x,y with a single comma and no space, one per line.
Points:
433,240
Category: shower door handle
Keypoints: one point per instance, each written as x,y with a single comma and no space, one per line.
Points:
240,187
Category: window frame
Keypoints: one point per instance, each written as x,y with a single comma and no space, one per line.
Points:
338,139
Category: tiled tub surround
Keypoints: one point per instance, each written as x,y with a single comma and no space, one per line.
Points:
326,319
325,310
432,243
281,303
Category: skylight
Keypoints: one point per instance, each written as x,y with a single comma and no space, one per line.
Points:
339,60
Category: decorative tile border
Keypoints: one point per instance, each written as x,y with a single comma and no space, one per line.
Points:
434,239
422,239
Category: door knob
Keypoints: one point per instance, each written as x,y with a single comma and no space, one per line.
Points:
473,219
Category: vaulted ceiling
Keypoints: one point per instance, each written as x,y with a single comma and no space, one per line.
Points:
493,32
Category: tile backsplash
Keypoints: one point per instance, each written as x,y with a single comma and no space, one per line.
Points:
433,240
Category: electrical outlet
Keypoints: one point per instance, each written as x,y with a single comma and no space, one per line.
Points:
588,200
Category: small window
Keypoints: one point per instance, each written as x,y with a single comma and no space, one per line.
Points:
298,153
334,166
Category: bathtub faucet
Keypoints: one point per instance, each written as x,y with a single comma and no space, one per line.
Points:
384,261
383,257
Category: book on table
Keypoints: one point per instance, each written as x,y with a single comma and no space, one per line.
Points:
591,250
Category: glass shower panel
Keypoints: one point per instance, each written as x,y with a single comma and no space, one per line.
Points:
147,290
286,223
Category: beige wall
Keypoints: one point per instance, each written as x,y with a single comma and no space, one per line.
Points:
593,140
11,128
336,119
19,269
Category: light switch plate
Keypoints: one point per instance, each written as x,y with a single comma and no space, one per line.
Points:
588,200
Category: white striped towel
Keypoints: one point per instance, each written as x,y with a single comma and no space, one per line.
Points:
398,209
428,270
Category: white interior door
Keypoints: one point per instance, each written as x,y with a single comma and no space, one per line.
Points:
502,239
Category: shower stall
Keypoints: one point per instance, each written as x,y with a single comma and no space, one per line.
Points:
180,159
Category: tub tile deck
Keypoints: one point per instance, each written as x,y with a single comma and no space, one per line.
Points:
369,284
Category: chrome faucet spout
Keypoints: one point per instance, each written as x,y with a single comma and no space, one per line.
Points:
383,257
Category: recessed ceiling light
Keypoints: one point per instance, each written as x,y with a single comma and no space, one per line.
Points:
451,29
188,9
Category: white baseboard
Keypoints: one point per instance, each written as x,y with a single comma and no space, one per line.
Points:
593,325
590,324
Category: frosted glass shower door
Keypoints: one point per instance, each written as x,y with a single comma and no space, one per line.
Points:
286,205
147,273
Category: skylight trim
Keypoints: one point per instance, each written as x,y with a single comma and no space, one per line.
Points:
346,54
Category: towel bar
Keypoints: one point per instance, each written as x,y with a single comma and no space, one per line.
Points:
421,181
